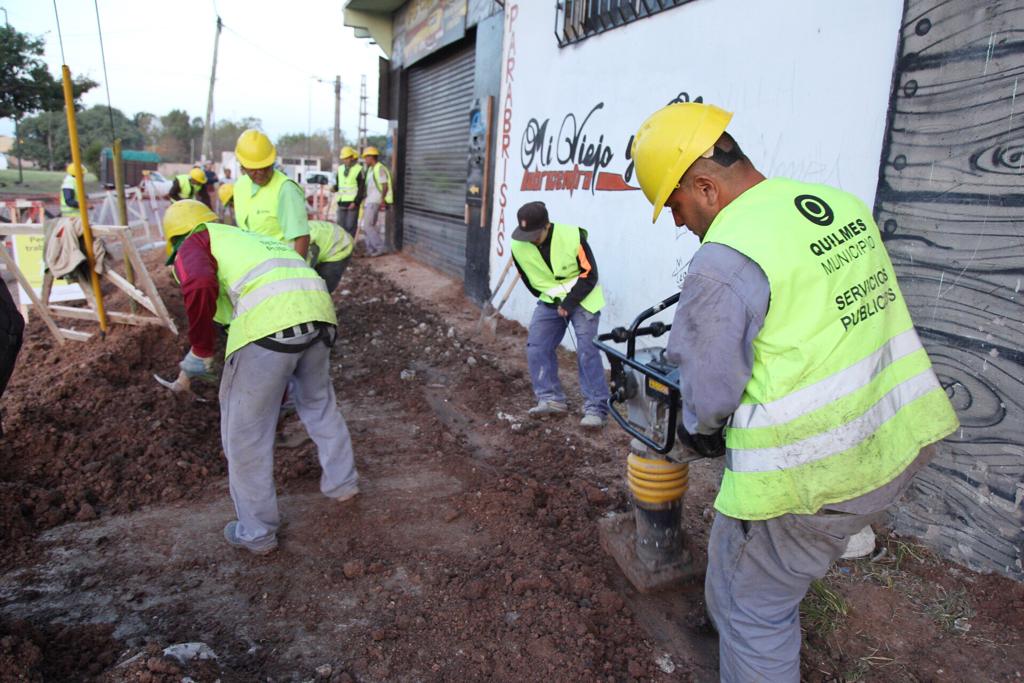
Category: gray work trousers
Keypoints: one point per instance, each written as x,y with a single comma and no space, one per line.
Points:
347,218
372,227
250,401
758,572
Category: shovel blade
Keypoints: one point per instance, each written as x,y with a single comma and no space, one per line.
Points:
177,386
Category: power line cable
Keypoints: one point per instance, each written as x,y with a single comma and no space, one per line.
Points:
106,79
60,38
263,50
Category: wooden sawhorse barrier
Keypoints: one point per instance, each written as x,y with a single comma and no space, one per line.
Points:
145,293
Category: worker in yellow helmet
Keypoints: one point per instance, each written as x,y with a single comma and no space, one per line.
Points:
266,200
282,325
351,189
189,186
379,196
824,404
68,200
226,195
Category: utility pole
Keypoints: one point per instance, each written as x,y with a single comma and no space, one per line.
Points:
337,117
362,115
207,150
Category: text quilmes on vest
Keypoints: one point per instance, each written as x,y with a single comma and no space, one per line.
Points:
843,246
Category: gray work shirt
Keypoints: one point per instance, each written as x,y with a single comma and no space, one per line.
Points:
721,310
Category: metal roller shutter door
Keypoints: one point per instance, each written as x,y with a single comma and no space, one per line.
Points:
434,196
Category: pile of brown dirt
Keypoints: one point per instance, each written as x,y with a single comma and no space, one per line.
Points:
55,652
87,433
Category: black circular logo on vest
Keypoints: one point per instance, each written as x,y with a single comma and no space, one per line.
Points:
814,209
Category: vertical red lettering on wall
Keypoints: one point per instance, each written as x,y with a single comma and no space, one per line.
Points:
506,128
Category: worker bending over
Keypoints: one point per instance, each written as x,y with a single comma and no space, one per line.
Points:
824,395
267,201
379,196
558,267
188,186
281,325
329,251
351,189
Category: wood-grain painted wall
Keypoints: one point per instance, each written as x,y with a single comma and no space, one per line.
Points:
950,204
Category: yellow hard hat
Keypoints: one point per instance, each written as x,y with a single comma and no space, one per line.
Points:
668,143
348,153
197,175
254,149
71,170
226,192
182,217
371,152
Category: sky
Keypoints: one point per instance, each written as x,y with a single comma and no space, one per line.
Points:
159,55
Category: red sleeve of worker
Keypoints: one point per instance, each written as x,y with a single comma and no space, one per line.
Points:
197,272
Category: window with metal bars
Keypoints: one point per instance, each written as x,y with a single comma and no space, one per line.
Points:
577,20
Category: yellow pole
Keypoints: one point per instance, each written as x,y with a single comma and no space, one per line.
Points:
83,207
122,210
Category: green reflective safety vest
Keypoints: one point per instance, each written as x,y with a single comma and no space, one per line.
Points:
842,395
333,243
258,212
555,282
348,183
265,286
68,184
184,185
380,170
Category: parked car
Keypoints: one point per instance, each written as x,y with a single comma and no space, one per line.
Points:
161,185
319,178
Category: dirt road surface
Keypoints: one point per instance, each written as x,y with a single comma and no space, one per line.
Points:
471,554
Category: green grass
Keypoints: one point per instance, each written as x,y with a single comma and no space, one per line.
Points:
951,610
39,182
822,609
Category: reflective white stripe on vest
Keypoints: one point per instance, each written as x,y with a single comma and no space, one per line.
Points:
235,289
841,438
828,390
257,296
339,240
562,289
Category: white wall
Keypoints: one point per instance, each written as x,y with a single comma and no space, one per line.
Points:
808,82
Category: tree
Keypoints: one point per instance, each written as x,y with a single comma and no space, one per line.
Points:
179,135
302,145
25,84
45,136
149,125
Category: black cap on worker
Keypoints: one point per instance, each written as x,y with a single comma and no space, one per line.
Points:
532,217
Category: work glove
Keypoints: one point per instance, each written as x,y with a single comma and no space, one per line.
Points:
194,366
706,445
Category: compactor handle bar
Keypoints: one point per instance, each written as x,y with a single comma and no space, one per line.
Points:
620,389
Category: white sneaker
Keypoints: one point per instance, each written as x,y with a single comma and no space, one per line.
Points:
593,421
546,408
